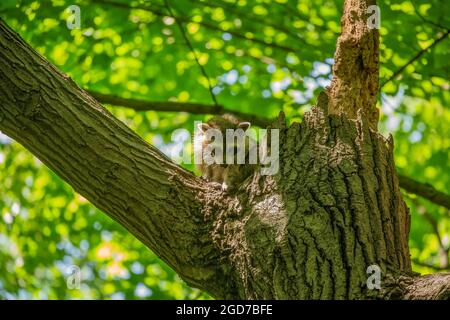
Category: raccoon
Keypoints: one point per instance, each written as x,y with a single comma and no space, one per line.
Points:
228,176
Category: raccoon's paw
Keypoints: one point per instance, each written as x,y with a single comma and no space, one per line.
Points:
216,185
229,188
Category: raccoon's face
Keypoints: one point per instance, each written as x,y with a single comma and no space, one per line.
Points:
220,145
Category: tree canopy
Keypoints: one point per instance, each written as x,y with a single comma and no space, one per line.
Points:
197,58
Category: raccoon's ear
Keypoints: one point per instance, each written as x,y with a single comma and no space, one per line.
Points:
244,125
203,127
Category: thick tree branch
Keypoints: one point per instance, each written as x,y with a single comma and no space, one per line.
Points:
424,190
172,106
107,163
428,287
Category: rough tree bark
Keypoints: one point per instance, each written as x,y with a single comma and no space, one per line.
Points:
309,232
355,71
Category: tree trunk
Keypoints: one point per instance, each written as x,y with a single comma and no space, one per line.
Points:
356,63
309,232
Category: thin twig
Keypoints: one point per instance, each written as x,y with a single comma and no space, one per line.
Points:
416,57
292,10
443,251
427,20
428,265
249,17
201,23
191,48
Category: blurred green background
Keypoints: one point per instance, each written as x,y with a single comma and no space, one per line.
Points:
260,57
